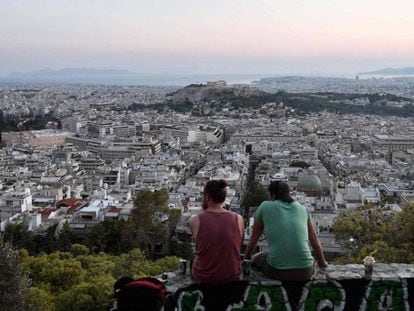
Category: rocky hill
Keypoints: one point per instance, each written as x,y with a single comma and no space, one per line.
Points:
219,91
218,98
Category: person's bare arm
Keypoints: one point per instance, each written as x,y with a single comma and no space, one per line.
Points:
316,245
241,225
257,232
194,224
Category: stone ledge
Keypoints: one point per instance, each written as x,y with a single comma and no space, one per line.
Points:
338,287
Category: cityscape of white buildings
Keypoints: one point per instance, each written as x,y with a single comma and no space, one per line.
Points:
92,168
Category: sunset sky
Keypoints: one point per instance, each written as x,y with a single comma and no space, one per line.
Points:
207,36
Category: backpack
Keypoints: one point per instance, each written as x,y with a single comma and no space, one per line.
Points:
147,294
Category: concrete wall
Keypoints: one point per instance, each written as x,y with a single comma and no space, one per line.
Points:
336,288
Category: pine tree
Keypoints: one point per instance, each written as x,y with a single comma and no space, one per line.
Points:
14,283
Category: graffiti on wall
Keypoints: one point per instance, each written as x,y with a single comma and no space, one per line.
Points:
353,294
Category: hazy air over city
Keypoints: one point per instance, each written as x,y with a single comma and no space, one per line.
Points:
321,37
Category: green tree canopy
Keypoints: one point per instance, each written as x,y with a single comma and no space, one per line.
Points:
97,265
79,249
18,235
93,295
148,224
42,299
64,281
66,238
107,236
135,264
55,269
254,195
363,231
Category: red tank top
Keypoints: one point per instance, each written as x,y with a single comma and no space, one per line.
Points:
217,248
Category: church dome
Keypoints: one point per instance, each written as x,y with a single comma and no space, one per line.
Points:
309,183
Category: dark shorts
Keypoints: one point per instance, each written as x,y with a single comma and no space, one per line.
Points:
259,261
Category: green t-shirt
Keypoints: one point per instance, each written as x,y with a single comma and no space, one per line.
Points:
286,228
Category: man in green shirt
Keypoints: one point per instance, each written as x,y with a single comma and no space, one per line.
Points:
289,231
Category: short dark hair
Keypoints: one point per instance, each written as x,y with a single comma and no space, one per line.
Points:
216,190
280,191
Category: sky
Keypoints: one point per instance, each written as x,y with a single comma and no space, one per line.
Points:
310,37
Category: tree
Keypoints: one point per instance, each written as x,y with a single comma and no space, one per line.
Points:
18,236
135,264
14,282
254,195
65,238
366,230
79,249
148,224
64,281
58,270
41,299
93,295
405,223
181,247
107,236
97,265
45,242
174,216
131,264
404,230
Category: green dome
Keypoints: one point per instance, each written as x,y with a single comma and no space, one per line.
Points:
309,183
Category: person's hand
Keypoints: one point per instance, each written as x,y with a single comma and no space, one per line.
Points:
322,264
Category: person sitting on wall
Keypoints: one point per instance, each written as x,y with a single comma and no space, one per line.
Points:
218,235
289,230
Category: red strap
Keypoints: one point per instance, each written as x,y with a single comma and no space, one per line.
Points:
141,283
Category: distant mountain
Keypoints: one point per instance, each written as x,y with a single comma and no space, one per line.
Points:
76,72
391,71
69,75
120,77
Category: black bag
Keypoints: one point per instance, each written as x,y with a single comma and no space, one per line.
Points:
147,294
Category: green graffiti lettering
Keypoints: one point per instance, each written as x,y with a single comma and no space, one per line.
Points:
318,295
263,298
386,295
190,301
381,295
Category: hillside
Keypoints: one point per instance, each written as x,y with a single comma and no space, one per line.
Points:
199,99
392,71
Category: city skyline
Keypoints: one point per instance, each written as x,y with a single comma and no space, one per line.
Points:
261,37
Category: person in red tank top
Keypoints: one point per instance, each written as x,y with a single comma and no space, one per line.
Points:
218,235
